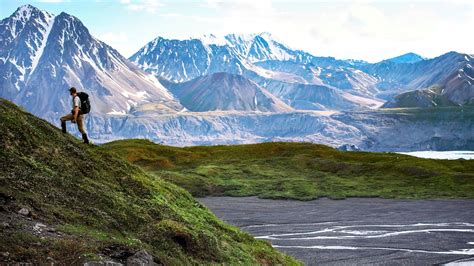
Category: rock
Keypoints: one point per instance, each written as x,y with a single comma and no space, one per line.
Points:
141,258
24,211
38,227
5,225
348,147
5,254
102,263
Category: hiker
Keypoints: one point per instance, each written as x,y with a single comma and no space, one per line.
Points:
80,107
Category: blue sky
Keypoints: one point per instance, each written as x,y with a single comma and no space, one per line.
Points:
363,29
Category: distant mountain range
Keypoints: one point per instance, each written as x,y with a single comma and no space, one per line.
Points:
230,89
276,67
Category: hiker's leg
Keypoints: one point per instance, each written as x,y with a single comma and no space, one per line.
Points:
63,119
80,125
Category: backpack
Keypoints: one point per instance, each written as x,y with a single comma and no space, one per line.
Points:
85,103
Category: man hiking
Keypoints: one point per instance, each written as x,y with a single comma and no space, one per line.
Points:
79,108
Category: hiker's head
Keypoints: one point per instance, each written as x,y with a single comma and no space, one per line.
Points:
72,91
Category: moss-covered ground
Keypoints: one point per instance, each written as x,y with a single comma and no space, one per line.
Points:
99,203
300,171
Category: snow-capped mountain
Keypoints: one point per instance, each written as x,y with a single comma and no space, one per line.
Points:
181,61
43,55
263,47
266,61
226,92
260,58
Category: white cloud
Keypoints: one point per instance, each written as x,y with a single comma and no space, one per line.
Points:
151,6
118,40
369,30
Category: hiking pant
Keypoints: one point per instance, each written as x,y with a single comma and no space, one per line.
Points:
79,121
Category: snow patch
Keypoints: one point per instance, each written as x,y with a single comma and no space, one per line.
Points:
39,53
139,95
212,39
371,103
114,112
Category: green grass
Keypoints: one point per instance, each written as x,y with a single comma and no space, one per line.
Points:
97,200
300,171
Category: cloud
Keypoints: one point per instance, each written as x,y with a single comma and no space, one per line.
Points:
52,1
118,40
364,29
151,6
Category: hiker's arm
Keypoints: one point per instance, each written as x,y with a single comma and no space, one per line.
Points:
76,113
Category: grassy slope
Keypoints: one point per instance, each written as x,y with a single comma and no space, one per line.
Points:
299,171
101,202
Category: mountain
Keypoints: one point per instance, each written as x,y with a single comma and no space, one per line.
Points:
406,58
318,97
265,60
226,92
66,203
263,47
181,61
432,97
258,57
452,72
43,55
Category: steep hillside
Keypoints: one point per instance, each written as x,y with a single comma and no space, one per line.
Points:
226,92
67,203
299,171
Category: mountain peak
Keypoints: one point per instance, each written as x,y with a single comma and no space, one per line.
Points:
212,39
24,12
223,91
406,58
26,8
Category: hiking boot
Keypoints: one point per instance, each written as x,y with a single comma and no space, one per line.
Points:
63,126
84,137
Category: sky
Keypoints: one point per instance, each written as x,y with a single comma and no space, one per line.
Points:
363,29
